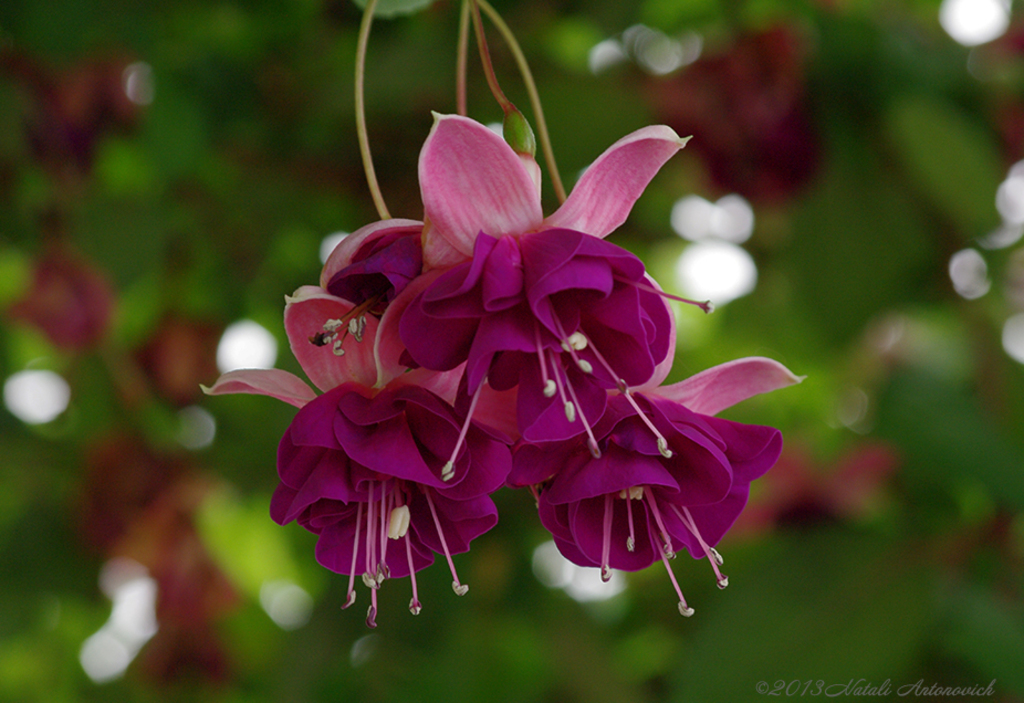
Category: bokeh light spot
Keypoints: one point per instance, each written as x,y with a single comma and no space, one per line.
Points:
716,271
328,243
1013,337
973,22
197,427
287,604
246,345
580,583
969,273
36,396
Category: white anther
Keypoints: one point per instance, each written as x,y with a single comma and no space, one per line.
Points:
630,544
447,471
716,556
460,588
550,389
667,549
685,610
606,573
595,451
369,580
585,366
709,307
636,492
577,341
356,327
620,383
332,325
415,606
383,573
398,524
723,582
570,412
349,600
663,448
338,351
565,346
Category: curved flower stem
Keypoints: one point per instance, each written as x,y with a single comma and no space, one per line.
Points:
531,89
485,59
461,60
364,141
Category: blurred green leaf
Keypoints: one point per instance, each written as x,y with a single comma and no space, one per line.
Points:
859,242
988,632
951,158
246,543
830,606
947,437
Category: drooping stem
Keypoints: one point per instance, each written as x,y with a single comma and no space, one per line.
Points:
531,89
485,59
364,142
461,60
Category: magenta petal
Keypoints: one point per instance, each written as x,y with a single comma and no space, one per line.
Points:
720,387
471,180
273,382
348,248
604,195
616,470
461,521
586,519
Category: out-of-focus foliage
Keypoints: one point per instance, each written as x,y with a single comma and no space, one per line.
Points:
169,168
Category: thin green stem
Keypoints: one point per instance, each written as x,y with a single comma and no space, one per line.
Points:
531,89
462,60
364,141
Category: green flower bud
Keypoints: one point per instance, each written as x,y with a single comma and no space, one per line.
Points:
518,133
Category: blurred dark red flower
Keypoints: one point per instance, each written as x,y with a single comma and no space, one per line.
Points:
179,356
747,111
192,592
71,108
123,477
799,493
69,299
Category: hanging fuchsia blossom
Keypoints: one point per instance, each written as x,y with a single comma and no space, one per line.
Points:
380,465
373,265
543,304
668,475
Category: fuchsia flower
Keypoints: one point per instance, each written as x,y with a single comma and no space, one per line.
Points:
542,304
381,457
668,474
423,335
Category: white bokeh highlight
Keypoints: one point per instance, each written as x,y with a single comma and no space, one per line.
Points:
36,396
974,22
715,270
106,654
1013,337
246,345
582,584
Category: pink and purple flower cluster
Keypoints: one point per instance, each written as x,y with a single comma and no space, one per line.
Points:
490,346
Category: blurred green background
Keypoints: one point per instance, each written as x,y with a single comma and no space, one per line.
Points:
849,198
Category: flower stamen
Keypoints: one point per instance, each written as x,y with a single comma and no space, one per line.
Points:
667,548
606,539
457,586
662,442
414,605
710,552
448,470
350,596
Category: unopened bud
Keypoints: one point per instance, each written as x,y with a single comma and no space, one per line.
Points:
518,133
